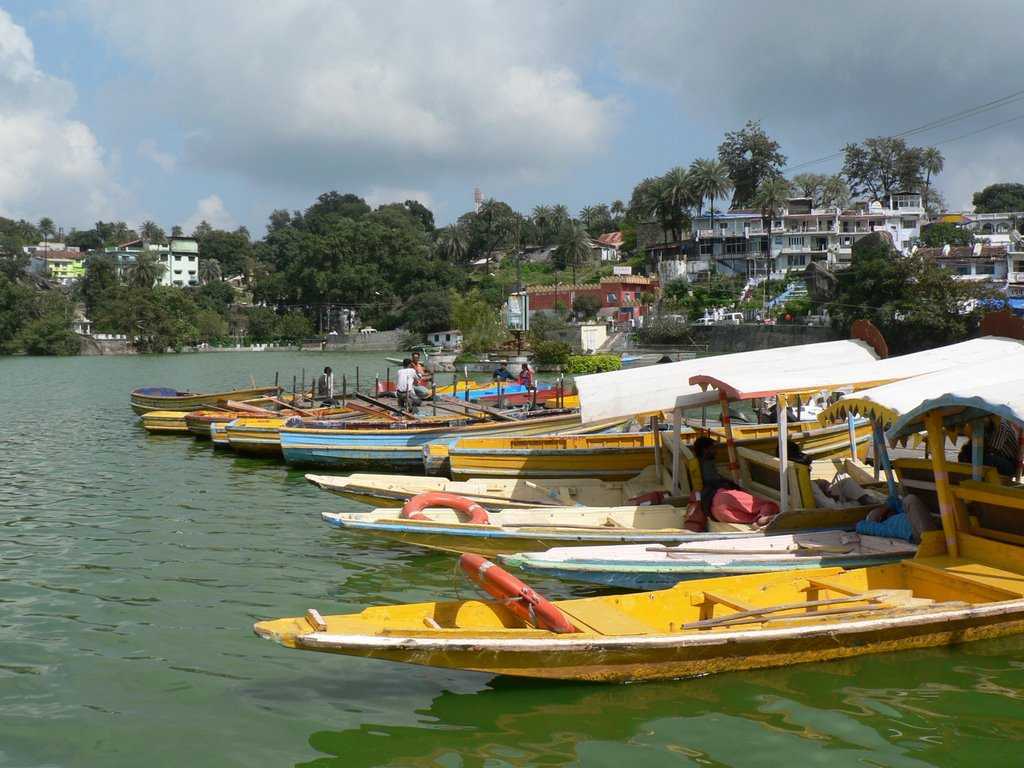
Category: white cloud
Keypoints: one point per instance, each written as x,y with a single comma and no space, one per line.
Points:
315,92
52,165
149,150
211,210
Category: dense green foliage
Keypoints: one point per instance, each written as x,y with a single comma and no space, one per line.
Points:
658,331
583,364
944,233
586,305
999,198
479,322
883,165
551,352
35,322
751,157
915,303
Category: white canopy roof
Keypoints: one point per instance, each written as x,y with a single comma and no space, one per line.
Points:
889,402
655,388
764,381
963,403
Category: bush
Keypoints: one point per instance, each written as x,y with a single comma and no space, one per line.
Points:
586,305
659,331
582,364
551,352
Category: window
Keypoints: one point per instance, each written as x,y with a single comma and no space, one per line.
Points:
797,260
612,298
847,241
985,269
706,248
778,241
736,248
795,242
906,245
908,223
723,225
777,224
1002,227
627,296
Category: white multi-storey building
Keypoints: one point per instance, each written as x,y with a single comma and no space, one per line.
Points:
180,257
737,242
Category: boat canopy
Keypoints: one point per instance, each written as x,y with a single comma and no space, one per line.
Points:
617,394
789,377
885,404
965,402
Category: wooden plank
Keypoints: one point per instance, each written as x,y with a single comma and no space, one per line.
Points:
315,620
384,406
700,598
866,597
499,415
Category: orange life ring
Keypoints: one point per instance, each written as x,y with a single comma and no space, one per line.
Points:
523,601
412,509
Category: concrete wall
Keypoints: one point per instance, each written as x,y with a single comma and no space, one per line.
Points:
93,346
722,339
384,341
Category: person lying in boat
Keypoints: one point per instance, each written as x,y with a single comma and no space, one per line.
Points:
705,450
903,518
842,491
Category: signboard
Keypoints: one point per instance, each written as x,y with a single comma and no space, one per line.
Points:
622,271
517,312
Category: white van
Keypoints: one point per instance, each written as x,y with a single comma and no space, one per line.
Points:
367,331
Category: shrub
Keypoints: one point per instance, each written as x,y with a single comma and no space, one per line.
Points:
582,364
551,352
664,331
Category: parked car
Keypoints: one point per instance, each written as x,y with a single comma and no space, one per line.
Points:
368,330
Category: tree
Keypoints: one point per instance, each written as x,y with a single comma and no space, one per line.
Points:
211,327
586,305
453,244
709,179
913,301
421,213
293,327
428,311
231,250
618,209
809,185
574,247
882,166
479,322
177,231
835,192
932,162
999,198
751,157
262,324
944,233
15,308
770,198
48,335
209,270
47,228
151,232
144,271
99,279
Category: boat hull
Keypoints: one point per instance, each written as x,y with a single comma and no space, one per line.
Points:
165,423
147,399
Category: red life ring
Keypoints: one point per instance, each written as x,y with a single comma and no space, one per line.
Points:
412,509
523,601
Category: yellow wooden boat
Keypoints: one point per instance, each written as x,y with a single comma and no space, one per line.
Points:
165,422
965,583
261,435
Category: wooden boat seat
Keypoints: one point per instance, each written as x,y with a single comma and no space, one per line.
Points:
989,582
603,619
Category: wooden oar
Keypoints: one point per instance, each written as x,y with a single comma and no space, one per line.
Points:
800,616
237,405
866,597
797,550
385,406
290,407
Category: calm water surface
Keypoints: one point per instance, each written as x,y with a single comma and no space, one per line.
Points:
132,567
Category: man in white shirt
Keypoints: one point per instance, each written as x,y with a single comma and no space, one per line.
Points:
405,385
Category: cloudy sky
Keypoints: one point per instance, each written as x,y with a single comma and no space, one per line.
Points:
224,110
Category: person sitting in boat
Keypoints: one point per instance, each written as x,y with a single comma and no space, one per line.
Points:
405,386
502,373
705,449
325,385
525,377
1001,447
843,491
423,378
901,518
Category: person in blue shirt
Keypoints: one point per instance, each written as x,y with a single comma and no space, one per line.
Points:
502,373
906,518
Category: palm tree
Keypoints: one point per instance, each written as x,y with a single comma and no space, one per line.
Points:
932,162
676,197
144,271
209,270
453,243
618,209
560,215
587,215
574,246
710,180
770,198
152,232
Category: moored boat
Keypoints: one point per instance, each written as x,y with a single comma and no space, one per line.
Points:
165,422
965,583
145,399
399,445
645,567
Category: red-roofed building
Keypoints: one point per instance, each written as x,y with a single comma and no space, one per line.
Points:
621,297
608,246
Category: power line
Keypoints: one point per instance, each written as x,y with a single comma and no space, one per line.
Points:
936,123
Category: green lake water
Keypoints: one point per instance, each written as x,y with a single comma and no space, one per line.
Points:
132,568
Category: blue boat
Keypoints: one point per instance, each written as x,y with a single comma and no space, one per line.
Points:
646,567
399,445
